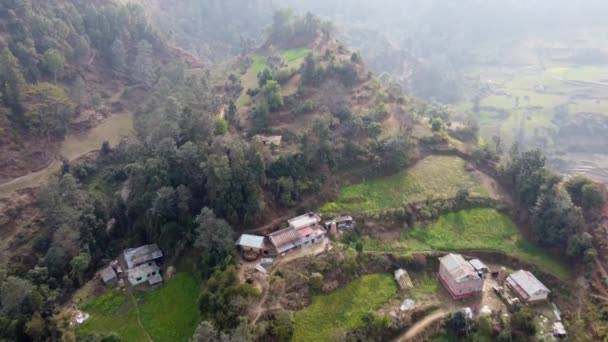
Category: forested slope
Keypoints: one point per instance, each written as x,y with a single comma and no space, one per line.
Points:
62,63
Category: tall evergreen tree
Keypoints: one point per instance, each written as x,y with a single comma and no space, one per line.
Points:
12,82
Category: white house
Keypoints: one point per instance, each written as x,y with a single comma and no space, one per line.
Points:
527,287
148,272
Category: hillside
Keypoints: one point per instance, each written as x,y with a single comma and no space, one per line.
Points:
198,154
66,66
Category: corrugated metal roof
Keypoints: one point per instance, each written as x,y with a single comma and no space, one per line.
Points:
143,254
458,268
253,241
306,220
284,239
478,264
143,270
527,282
107,274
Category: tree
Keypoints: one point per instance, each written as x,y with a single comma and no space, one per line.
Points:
205,332
282,326
591,196
144,64
53,61
391,155
80,264
50,110
12,82
231,113
223,299
260,117
584,192
265,76
213,235
271,93
458,324
437,124
221,126
522,324
461,198
310,74
35,328
118,55
14,292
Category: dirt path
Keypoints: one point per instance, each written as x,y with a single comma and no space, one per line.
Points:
421,325
138,314
259,309
113,129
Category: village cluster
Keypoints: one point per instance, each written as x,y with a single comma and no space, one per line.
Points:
303,231
466,280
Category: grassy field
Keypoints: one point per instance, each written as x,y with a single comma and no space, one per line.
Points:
168,314
436,176
294,57
475,229
250,80
112,130
342,308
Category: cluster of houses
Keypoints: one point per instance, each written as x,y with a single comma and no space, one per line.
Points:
464,278
302,232
140,264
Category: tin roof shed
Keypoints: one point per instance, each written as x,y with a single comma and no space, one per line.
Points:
252,241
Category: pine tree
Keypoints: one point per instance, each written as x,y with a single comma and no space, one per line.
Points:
12,83
144,63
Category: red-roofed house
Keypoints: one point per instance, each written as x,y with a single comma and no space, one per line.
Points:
311,235
459,277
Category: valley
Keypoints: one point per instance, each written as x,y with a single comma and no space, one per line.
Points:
239,172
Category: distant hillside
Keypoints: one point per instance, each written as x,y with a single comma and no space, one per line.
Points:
211,29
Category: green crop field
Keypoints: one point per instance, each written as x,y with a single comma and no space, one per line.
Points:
343,308
475,229
169,313
294,57
434,176
250,79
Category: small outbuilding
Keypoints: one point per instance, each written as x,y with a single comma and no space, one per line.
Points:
403,279
527,287
479,266
108,276
559,331
250,246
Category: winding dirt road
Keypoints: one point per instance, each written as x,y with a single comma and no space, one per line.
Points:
421,325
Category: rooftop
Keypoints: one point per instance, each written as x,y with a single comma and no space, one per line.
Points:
527,282
107,274
143,270
253,241
306,220
478,265
284,239
458,268
140,255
